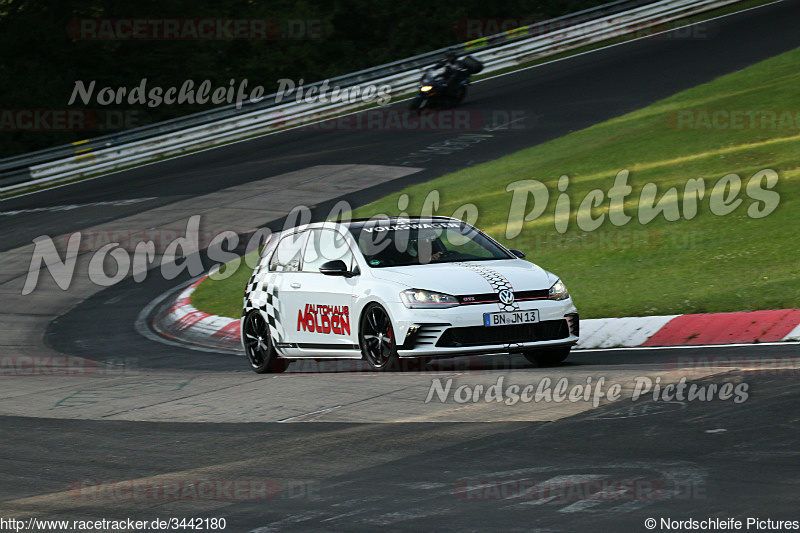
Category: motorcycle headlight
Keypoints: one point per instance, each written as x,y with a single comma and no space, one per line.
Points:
419,299
426,88
558,291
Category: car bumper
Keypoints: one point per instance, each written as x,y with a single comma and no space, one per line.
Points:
460,330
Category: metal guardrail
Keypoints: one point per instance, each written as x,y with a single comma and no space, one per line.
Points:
227,123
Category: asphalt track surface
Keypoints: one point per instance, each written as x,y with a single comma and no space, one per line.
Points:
710,459
705,460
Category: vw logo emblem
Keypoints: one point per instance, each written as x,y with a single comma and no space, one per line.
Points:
506,296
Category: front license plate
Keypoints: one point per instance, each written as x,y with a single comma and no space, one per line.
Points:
510,318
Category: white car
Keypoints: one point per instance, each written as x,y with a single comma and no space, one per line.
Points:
390,288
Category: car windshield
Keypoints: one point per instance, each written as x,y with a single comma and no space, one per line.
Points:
419,243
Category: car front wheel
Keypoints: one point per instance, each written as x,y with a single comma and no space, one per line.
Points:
377,339
258,345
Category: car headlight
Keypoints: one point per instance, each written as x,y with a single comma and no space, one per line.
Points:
558,291
426,88
418,299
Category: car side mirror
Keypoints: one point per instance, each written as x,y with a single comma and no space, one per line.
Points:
518,253
335,268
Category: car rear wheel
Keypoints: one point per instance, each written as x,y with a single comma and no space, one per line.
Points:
548,356
258,345
377,340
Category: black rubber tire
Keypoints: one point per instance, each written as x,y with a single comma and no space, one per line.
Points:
258,346
376,339
548,356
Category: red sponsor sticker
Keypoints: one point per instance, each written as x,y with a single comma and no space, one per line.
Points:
327,319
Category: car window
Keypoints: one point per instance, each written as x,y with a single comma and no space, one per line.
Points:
287,255
325,245
456,242
415,243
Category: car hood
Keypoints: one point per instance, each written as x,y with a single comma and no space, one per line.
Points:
469,277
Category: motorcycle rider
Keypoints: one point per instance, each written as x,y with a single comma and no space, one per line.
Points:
452,69
450,77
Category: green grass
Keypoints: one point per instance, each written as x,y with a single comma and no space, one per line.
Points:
706,264
224,297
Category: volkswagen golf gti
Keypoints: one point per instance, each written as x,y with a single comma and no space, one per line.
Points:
385,289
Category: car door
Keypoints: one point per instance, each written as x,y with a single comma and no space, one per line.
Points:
322,320
284,274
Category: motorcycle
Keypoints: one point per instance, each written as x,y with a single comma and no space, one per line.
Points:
437,91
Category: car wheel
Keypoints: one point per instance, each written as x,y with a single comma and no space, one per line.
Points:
258,345
548,356
376,337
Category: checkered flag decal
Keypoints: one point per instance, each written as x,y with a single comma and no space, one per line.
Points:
496,280
262,294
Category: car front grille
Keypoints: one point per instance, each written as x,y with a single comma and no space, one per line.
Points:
548,330
492,297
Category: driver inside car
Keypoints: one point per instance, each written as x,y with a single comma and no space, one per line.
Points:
424,245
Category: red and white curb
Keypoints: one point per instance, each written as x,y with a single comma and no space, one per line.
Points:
744,327
182,321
